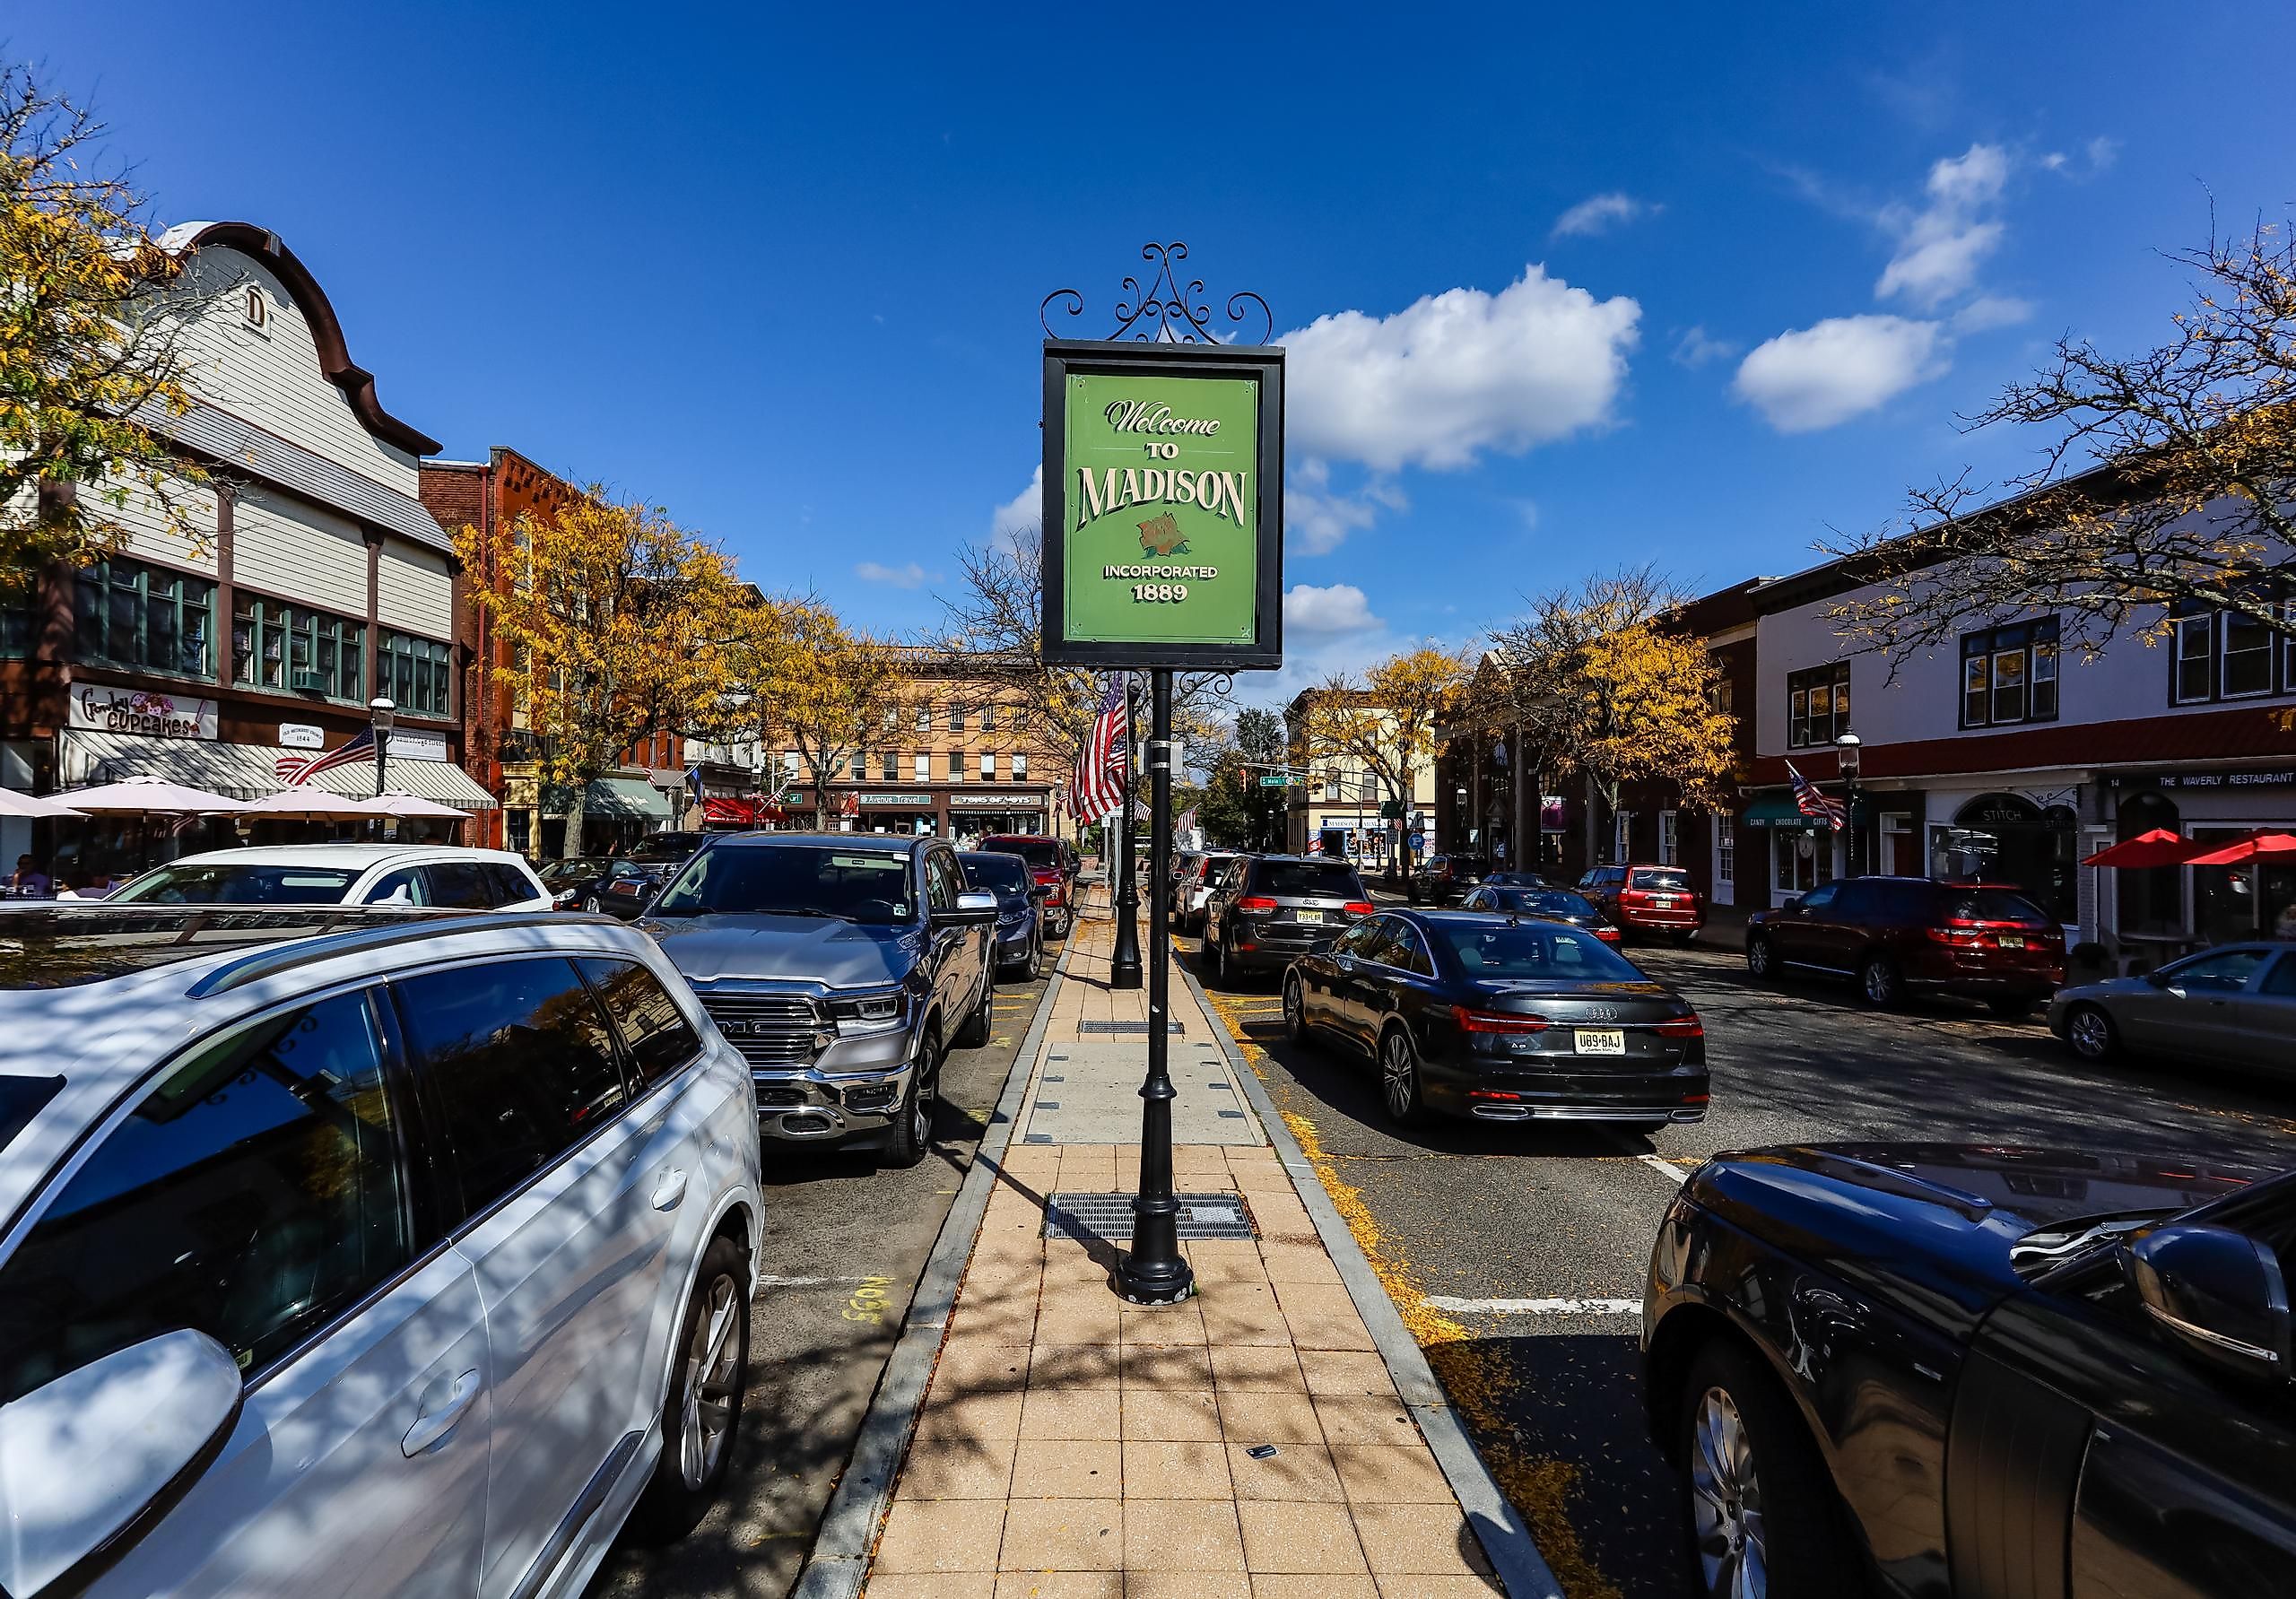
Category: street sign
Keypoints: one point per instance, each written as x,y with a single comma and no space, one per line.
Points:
1418,842
1163,494
1391,810
1280,780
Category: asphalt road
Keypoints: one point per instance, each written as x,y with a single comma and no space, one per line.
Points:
1462,1214
845,1243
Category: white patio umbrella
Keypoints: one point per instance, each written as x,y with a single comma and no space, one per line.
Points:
307,804
13,803
397,801
151,797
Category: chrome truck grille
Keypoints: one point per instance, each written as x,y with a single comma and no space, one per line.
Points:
770,1029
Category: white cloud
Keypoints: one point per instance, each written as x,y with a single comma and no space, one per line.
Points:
2055,161
2102,153
911,575
1340,608
1941,246
1023,513
1696,347
1318,518
1458,373
1599,213
1814,377
1991,310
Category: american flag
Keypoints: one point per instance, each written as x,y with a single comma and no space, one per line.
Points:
295,770
1098,789
1811,802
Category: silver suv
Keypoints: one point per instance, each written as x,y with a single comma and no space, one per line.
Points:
409,1257
842,966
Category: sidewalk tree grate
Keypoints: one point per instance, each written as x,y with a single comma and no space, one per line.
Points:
1125,1027
1107,1217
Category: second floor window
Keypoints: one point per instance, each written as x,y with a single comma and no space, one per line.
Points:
987,767
925,717
295,649
889,771
956,718
415,672
134,615
924,767
1020,765
956,766
2222,655
1817,705
2009,674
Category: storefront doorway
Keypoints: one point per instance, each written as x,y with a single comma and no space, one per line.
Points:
2005,837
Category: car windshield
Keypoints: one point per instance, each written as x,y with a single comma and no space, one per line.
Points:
1307,880
20,1099
1037,852
998,873
237,883
558,872
1535,950
1545,902
1665,879
858,885
1991,905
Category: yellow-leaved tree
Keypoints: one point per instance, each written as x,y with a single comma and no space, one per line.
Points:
93,365
620,624
1606,688
1386,724
801,680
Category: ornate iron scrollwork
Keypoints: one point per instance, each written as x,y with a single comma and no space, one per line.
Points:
1164,312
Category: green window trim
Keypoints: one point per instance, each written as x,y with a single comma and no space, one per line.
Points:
125,613
283,647
417,673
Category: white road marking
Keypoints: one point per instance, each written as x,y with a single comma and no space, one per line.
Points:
1665,1168
1535,1306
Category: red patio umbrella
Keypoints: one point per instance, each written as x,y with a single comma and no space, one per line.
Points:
2159,848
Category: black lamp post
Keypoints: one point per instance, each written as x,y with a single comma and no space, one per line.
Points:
1846,747
1153,1271
1124,964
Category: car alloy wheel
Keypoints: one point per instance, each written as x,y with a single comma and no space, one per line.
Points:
1399,1078
1725,1502
590,903
711,1361
1295,1009
1758,957
2090,1032
1877,979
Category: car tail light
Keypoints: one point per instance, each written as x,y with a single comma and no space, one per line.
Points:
1497,1022
1608,935
1491,1093
1359,907
1255,902
1680,1027
1696,1098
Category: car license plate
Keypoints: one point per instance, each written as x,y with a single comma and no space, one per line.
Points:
1306,916
1608,1040
1663,901
2011,940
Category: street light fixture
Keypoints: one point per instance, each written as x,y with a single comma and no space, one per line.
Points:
1846,750
382,710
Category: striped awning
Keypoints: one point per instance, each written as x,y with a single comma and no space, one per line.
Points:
245,771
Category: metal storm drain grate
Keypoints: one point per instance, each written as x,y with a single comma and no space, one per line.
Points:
1108,1216
1125,1027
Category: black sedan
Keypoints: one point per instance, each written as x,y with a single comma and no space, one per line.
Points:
1568,906
1503,1020
1922,1371
581,883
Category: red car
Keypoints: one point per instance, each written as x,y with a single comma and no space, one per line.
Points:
1900,935
1647,900
1053,865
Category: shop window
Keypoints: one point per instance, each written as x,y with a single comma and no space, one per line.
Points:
130,614
1725,848
1669,839
296,649
2150,899
415,672
1817,703
2009,674
15,632
1802,859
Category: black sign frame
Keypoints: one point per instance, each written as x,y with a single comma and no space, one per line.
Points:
1261,362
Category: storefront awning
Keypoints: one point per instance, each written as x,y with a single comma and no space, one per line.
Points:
245,772
1778,810
614,798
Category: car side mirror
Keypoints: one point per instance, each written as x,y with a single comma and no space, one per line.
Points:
90,1461
974,907
2219,1292
1039,891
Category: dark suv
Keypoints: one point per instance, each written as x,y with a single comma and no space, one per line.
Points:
1052,862
1446,879
842,966
1900,935
1271,907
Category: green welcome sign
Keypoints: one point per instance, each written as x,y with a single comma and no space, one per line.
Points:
1163,505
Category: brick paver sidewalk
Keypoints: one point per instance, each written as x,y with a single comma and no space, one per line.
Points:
1244,1444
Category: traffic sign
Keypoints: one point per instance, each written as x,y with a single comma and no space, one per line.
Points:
1418,842
1281,780
1391,810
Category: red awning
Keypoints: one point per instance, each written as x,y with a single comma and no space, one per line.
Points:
2159,848
2241,851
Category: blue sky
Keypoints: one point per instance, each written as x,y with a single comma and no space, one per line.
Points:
1570,291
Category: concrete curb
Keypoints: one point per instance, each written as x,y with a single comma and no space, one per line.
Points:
1514,1553
840,1561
